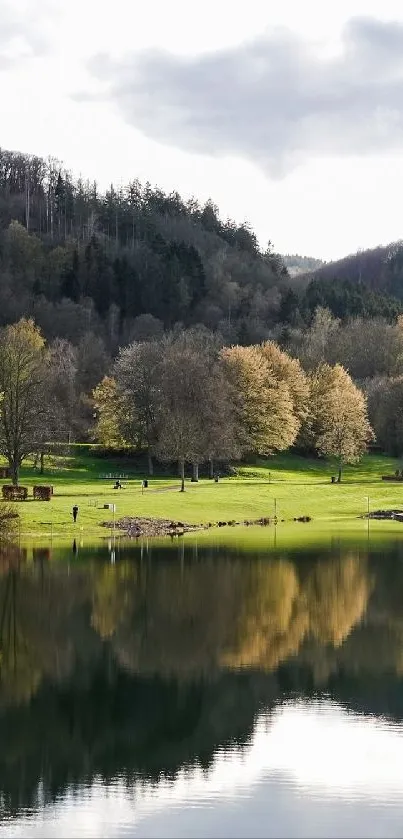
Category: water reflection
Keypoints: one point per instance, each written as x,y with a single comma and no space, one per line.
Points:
201,691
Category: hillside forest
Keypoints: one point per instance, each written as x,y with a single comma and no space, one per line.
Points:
152,323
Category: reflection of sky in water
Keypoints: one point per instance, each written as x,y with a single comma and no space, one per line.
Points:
309,770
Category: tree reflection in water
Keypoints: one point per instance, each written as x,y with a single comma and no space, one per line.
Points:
140,667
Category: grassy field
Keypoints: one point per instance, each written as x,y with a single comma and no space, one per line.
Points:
292,485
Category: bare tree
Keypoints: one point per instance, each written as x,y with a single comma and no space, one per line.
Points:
193,412
138,375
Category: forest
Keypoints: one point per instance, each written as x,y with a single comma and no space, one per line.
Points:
379,269
182,398
137,305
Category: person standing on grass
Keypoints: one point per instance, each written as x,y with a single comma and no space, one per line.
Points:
75,513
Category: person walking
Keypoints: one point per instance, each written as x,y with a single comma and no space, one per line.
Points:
75,513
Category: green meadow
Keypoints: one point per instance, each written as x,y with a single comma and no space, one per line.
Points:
289,485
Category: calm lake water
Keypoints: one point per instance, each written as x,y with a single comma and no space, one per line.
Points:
202,691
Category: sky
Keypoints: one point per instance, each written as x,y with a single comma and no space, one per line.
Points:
288,115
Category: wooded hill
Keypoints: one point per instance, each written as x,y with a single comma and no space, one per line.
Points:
76,259
297,264
378,269
366,284
133,262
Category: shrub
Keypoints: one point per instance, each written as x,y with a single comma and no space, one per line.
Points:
43,493
12,493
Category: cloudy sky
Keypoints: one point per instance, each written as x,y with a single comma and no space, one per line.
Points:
287,114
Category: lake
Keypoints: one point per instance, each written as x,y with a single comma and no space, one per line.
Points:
189,688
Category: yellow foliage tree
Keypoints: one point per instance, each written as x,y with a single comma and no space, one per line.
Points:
23,385
289,371
262,404
340,425
109,411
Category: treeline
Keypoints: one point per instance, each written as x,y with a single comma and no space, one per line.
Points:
331,390
379,269
76,259
187,398
297,264
133,262
372,351
344,299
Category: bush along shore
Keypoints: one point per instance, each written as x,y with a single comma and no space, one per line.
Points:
135,527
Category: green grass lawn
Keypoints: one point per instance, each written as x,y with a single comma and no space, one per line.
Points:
298,486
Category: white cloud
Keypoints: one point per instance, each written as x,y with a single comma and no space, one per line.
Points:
272,100
329,205
24,30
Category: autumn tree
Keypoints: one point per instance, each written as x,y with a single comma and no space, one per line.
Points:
263,405
109,413
340,425
23,416
289,371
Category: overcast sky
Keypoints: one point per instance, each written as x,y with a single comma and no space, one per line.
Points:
286,114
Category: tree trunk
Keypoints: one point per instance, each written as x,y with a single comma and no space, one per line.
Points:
340,469
15,469
195,472
182,474
150,467
42,459
211,468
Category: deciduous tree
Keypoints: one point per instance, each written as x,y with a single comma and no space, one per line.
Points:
138,375
340,425
289,371
263,405
195,415
109,414
23,384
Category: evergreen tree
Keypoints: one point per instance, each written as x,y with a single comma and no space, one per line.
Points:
70,285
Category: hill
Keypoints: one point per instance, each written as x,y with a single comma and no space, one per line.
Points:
379,269
297,264
127,263
367,284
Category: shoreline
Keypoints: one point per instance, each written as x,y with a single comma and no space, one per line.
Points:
384,515
137,526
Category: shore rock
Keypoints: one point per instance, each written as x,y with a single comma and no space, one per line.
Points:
135,527
395,515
